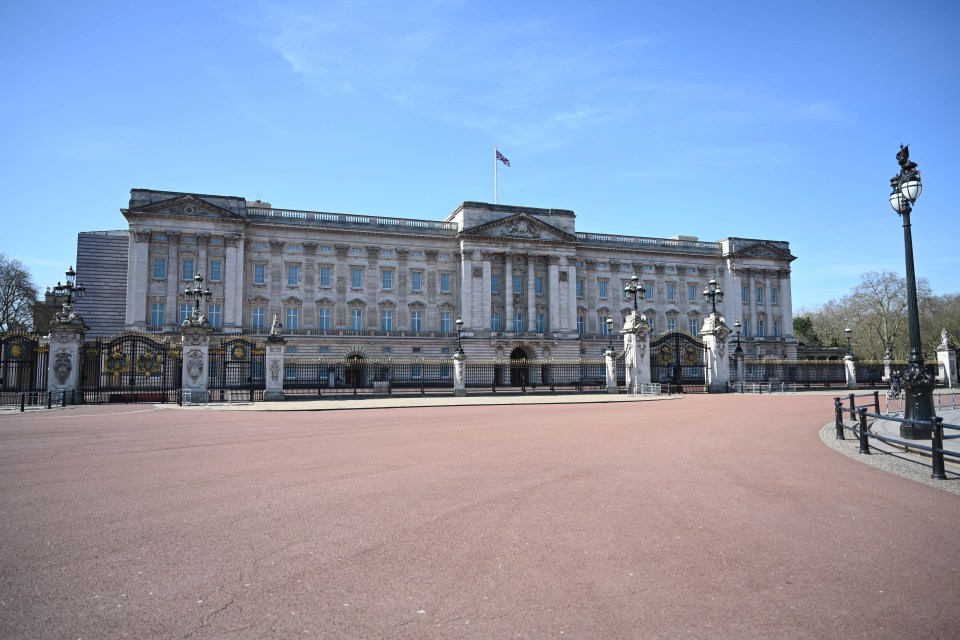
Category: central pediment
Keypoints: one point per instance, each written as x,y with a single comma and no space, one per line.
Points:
520,227
186,205
763,249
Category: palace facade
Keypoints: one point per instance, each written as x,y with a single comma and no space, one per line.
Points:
523,280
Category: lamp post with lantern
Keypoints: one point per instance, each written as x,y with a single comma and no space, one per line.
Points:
918,381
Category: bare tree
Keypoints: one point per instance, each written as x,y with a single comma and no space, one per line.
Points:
18,295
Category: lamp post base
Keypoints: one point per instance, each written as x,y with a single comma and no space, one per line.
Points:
918,404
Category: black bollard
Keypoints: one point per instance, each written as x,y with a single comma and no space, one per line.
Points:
864,439
838,412
936,446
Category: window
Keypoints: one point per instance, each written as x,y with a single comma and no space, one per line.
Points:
416,254
694,327
186,310
444,283
581,325
746,327
326,249
604,329
293,318
356,277
692,294
356,251
258,317
774,295
356,319
776,328
215,315
259,245
323,321
744,295
445,325
602,287
386,253
216,270
293,275
671,324
386,320
444,256
648,288
259,274
293,247
540,323
416,281
761,330
671,292
325,276
538,285
495,321
416,321
186,269
416,371
518,321
494,283
759,294
156,314
518,284
579,287
159,268
386,278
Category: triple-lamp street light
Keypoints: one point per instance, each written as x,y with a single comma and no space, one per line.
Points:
712,294
918,382
197,294
636,289
72,290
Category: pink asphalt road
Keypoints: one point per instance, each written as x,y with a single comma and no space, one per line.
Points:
706,517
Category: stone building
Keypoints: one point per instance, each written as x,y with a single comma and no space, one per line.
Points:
524,281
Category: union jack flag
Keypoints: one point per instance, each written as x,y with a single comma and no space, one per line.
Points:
502,158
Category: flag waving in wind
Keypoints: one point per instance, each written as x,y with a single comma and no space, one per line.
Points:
502,158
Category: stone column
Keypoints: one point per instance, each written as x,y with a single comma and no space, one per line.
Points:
459,374
173,277
138,278
715,334
947,359
553,292
233,282
887,368
466,291
851,369
195,348
67,331
568,321
273,361
531,293
486,295
508,292
611,371
786,302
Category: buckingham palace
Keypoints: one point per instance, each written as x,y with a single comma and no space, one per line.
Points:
523,280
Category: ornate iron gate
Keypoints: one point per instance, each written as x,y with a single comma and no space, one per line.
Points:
679,360
23,368
237,370
132,367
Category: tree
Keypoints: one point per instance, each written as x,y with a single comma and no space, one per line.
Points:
18,295
805,331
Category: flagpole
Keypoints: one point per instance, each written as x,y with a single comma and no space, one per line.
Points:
495,174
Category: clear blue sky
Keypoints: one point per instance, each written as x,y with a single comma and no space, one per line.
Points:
774,120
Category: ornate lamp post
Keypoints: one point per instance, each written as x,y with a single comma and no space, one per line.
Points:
609,333
849,332
459,324
712,294
739,350
197,294
917,380
72,290
635,288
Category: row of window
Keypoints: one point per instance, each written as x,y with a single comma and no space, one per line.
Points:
325,319
693,325
188,269
759,295
158,313
761,328
356,277
519,322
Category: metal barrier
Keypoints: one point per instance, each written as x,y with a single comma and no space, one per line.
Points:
859,417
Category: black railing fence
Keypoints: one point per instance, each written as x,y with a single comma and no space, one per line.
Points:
804,374
860,420
23,369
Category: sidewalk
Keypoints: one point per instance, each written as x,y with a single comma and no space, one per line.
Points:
891,429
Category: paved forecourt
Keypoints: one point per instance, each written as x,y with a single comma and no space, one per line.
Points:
703,517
